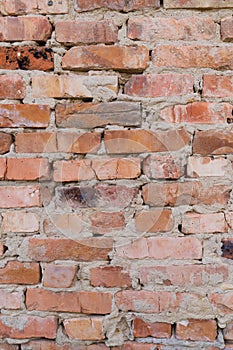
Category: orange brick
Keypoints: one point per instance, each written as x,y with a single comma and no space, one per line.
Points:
23,327
16,272
218,86
88,328
73,170
86,32
43,142
59,276
20,196
78,142
20,221
5,142
52,345
34,6
144,329
213,142
110,277
222,302
24,28
27,169
12,87
70,224
116,168
199,330
2,167
104,222
154,220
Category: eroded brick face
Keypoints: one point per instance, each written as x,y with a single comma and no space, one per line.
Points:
116,172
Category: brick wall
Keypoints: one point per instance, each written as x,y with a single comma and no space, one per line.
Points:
116,147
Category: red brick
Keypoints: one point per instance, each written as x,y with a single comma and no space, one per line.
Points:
73,86
90,115
198,330
117,168
23,327
156,220
198,4
122,58
226,29
223,303
5,142
86,32
163,167
184,275
24,28
24,115
27,169
50,249
59,276
27,58
138,346
87,5
34,6
140,141
103,196
213,142
82,302
228,331
73,170
207,166
20,221
12,87
185,193
2,167
109,277
19,196
162,248
144,329
35,142
218,86
154,29
16,272
198,112
191,56
51,345
141,4
78,142
104,222
159,85
88,328
203,223
10,300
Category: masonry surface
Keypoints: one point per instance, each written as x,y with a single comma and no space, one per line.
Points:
116,169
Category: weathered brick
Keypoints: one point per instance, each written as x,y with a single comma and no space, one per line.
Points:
213,142
218,86
188,56
24,115
70,224
27,169
100,196
156,220
51,345
35,142
5,346
86,32
24,28
122,58
73,86
20,196
131,5
2,168
222,302
203,223
50,249
207,166
27,58
185,193
144,329
198,112
198,4
78,142
73,170
10,300
117,168
16,272
199,330
137,346
162,248
23,327
34,6
5,142
184,275
226,29
154,29
88,328
228,331
92,115
12,87
20,221
163,167
140,141
59,276
84,302
159,85
109,276
104,222
87,5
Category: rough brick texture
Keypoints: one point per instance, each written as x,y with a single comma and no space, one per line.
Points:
116,174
